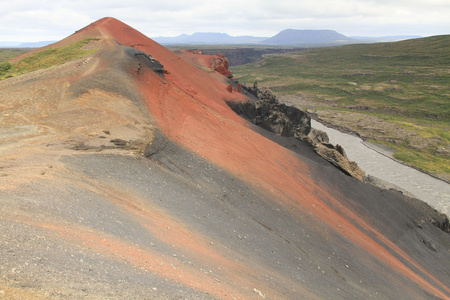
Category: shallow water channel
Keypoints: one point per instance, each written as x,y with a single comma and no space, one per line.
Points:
431,190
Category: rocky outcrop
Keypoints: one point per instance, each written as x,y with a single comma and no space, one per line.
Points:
335,154
272,115
144,59
219,63
268,113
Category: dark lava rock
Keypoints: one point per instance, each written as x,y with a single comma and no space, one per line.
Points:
288,121
272,115
147,60
119,143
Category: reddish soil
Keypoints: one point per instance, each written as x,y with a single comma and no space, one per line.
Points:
218,63
189,107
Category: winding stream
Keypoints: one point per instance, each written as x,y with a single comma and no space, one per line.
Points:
431,190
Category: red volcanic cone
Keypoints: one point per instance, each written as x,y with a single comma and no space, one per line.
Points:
218,209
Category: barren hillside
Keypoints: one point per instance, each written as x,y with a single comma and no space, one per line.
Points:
124,174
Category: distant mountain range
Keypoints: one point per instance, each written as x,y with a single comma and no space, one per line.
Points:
25,45
208,38
288,37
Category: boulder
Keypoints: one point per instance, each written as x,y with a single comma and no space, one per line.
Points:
219,63
317,136
336,155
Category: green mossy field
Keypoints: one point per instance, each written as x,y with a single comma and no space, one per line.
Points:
406,83
41,60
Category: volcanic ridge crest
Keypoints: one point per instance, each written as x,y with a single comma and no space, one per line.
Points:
138,172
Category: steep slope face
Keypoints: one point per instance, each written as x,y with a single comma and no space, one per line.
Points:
217,62
125,174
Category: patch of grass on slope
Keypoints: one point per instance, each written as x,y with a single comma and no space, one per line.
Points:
45,59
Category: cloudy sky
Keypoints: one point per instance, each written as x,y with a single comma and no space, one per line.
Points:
43,20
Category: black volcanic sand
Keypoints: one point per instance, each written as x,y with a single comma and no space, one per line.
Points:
245,224
117,225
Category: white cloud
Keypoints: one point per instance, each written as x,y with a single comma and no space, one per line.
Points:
29,20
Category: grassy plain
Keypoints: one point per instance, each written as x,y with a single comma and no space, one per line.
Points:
9,53
403,87
41,60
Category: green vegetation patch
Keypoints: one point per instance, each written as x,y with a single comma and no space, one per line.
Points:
396,81
45,59
9,53
424,161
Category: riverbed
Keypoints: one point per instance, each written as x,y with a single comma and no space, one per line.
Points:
380,164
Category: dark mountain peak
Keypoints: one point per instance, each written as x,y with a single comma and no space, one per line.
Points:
210,34
306,36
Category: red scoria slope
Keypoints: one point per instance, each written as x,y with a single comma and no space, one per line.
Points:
191,110
324,222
